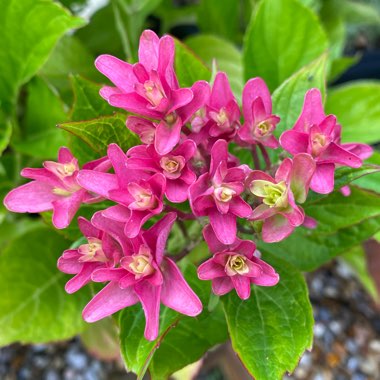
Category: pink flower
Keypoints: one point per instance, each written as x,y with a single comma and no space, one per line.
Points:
139,192
234,266
217,194
174,166
279,195
150,88
54,187
145,275
100,251
259,122
319,135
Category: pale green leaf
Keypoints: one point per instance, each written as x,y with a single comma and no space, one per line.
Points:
357,107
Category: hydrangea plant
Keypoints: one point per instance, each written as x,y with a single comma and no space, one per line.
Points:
190,217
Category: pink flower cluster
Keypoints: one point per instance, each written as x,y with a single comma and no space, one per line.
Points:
184,159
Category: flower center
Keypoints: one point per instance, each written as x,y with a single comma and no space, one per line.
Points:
318,143
264,128
143,199
153,92
224,194
92,252
141,263
273,194
236,264
171,118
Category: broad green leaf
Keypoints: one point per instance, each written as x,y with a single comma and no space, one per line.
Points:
340,65
357,107
105,42
40,136
69,57
99,133
282,37
343,222
221,18
288,98
130,16
371,182
30,29
189,68
228,58
355,258
271,330
34,307
181,340
88,103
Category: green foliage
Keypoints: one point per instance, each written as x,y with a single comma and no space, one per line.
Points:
181,340
34,307
99,133
188,66
337,230
25,49
271,330
221,18
357,107
227,57
288,98
40,136
281,38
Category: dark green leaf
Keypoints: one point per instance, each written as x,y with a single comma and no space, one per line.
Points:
88,103
343,222
357,106
44,110
340,65
5,132
271,330
228,58
100,132
188,66
371,182
283,36
221,18
34,307
30,29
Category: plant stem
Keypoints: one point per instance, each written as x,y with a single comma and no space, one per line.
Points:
266,157
255,157
181,215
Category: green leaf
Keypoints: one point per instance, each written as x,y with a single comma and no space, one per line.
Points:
359,13
44,110
343,222
30,29
69,57
88,103
281,38
340,65
34,307
99,133
355,258
371,182
271,330
288,98
357,107
189,68
181,340
221,18
130,16
228,58
5,132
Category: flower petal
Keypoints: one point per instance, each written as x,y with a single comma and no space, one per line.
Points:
276,228
224,226
323,179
